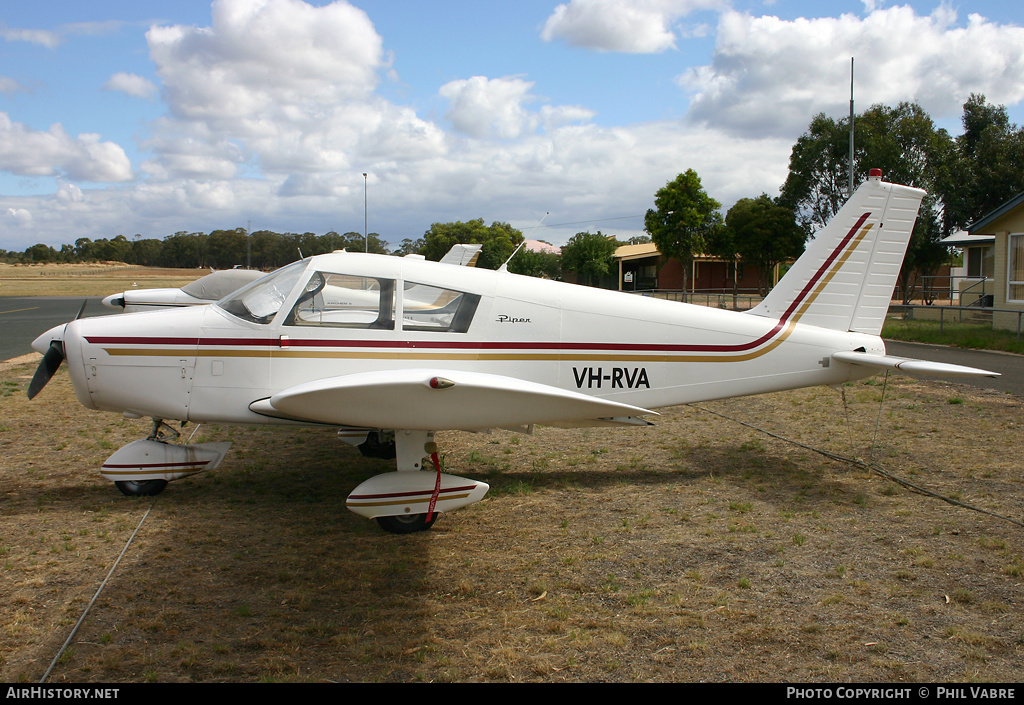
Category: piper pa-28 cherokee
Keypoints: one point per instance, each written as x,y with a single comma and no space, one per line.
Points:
391,350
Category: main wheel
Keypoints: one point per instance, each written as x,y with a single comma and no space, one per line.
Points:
141,488
406,523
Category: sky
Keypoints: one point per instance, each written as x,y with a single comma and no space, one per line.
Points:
152,118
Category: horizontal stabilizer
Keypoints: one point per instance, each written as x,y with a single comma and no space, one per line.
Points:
904,364
434,400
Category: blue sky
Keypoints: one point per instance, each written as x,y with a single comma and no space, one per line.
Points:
151,118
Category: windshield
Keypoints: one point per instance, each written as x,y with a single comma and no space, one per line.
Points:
260,301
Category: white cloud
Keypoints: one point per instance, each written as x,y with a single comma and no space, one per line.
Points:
20,216
284,84
131,84
33,36
496,108
259,57
632,26
69,193
273,113
29,152
770,76
482,107
9,86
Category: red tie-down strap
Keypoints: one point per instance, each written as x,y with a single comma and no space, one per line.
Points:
437,487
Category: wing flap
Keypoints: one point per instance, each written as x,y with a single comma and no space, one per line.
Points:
422,399
905,364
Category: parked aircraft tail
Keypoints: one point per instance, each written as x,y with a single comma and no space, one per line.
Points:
845,279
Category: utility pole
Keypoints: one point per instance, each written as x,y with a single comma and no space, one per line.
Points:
366,236
849,193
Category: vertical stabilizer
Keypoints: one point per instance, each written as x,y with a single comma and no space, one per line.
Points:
845,279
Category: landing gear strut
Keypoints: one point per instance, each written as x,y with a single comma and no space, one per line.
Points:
379,444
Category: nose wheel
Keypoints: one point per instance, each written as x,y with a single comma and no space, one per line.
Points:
141,488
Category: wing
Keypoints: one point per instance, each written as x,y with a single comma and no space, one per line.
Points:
904,364
423,399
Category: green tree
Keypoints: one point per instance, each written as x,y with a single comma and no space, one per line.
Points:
589,255
227,248
183,249
40,253
83,249
547,265
350,242
147,251
903,142
683,220
763,233
986,166
410,247
499,241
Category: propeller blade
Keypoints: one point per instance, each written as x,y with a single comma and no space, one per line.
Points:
81,310
51,361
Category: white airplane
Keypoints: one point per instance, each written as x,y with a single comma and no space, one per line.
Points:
218,284
494,350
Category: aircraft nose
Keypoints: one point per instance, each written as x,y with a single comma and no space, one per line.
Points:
42,343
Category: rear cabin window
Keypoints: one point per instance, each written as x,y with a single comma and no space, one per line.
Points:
345,301
434,309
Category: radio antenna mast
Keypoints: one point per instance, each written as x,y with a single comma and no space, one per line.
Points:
849,193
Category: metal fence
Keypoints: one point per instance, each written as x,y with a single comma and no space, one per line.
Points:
980,316
971,315
740,301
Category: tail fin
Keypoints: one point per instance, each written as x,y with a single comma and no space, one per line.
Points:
465,255
845,279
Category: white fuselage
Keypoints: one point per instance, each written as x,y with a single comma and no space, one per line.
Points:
204,364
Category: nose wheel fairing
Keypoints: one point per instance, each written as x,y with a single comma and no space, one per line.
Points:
149,459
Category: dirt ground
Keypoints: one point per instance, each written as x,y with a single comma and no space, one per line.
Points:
697,549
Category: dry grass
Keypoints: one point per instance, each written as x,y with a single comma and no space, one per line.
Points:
693,550
99,279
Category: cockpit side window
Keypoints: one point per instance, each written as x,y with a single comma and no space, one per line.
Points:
345,301
435,309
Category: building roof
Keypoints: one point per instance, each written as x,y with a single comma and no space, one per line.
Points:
540,246
998,213
646,249
962,238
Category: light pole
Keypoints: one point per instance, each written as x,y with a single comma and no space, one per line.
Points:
366,237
